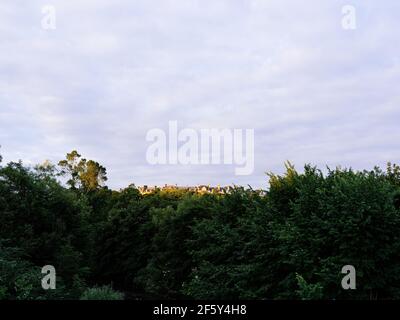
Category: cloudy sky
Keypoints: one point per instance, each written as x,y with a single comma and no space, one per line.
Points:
111,71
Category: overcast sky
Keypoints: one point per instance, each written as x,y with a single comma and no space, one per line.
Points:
112,70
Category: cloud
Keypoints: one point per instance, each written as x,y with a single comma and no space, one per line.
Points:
111,71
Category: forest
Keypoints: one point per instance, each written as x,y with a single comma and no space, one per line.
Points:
289,242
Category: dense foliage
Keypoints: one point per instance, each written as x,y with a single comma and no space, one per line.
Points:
289,242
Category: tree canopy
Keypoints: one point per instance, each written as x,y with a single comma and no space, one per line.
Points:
288,242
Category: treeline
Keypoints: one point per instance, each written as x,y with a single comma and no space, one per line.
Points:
290,242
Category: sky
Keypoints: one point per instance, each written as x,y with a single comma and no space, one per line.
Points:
312,90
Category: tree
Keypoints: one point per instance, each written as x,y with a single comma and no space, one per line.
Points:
39,217
122,242
343,218
223,250
85,174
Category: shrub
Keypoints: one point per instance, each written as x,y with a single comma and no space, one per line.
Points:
102,293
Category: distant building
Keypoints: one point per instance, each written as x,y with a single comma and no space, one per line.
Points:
201,189
147,190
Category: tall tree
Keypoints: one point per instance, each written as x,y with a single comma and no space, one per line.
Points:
84,174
